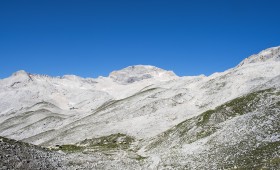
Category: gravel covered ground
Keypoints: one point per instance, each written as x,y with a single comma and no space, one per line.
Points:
19,155
23,156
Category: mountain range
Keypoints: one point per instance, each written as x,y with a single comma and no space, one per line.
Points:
144,117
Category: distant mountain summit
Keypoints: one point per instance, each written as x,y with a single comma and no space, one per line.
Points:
136,73
270,54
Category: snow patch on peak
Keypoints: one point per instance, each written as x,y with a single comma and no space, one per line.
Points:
270,54
136,73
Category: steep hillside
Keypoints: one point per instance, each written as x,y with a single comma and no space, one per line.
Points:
242,133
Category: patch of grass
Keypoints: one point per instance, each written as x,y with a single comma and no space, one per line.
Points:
205,132
206,123
238,106
71,148
268,147
205,117
114,141
275,161
261,157
68,148
243,104
140,158
104,143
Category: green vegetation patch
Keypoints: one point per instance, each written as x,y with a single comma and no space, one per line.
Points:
104,143
238,106
113,141
140,158
205,132
70,148
265,156
205,116
207,123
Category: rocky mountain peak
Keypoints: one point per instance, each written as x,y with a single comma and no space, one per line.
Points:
270,54
20,76
136,73
17,79
20,73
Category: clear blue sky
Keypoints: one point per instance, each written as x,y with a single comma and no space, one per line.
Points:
94,37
